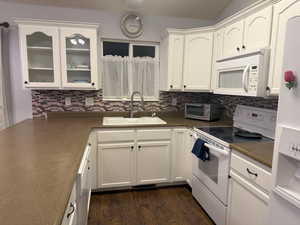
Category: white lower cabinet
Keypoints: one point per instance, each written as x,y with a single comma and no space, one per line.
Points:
153,162
248,192
248,205
116,165
190,141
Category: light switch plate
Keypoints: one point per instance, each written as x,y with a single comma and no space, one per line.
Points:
174,101
89,101
68,101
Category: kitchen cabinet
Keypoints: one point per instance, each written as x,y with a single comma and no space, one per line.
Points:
172,50
129,157
153,162
241,190
116,163
179,154
190,141
242,36
217,54
198,61
59,55
233,39
40,56
248,180
284,11
186,60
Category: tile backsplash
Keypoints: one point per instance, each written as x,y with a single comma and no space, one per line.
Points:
44,101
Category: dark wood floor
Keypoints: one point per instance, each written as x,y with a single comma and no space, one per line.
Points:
163,206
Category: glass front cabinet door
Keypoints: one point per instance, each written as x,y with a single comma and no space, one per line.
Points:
79,64
40,56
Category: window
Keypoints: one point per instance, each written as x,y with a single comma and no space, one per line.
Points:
129,67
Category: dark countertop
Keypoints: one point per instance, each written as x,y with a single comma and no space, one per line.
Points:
39,160
259,151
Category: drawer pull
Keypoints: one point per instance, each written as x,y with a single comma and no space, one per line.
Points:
72,211
250,172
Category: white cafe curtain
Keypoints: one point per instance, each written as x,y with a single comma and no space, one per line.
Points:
5,119
123,75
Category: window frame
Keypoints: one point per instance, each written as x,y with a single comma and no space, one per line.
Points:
130,56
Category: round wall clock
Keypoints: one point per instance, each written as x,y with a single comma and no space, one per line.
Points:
132,25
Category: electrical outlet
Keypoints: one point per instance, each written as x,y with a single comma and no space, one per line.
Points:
174,101
89,101
68,101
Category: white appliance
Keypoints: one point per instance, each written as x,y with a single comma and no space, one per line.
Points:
207,112
285,198
211,178
244,75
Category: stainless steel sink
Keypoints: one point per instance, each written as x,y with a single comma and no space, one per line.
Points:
123,121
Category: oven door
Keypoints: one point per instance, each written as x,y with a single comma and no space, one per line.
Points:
214,173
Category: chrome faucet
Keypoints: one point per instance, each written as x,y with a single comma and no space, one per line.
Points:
131,103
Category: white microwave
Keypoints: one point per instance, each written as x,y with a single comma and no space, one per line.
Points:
245,75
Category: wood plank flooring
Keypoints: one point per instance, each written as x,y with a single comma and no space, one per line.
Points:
161,206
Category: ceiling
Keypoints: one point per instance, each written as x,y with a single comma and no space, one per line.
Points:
198,9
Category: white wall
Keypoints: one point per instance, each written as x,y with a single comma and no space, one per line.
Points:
153,28
233,7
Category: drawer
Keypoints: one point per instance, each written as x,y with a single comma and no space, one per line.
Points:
115,136
153,134
252,172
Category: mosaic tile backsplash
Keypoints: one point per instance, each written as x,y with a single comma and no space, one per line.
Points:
44,101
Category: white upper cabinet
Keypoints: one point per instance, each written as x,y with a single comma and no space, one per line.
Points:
217,54
248,34
258,30
284,11
198,61
40,56
171,62
59,55
233,39
176,51
79,58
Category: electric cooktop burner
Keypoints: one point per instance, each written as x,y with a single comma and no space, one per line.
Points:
233,135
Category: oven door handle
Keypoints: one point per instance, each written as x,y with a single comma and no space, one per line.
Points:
217,150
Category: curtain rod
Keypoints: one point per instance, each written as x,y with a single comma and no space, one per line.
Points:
4,24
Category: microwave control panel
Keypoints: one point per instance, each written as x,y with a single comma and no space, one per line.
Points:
253,78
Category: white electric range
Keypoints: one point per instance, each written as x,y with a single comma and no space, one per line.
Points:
211,178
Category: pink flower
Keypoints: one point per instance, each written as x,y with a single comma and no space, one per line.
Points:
289,76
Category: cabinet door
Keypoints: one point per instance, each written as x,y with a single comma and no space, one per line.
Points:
79,58
179,155
176,51
217,54
255,211
233,39
190,141
153,162
116,165
284,11
40,56
258,23
198,61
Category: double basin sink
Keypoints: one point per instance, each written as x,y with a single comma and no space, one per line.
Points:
125,121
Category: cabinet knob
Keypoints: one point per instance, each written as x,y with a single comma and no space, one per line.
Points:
171,86
238,49
139,147
184,86
93,84
26,82
131,147
244,47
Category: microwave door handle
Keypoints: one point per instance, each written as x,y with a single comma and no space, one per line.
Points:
245,86
217,150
